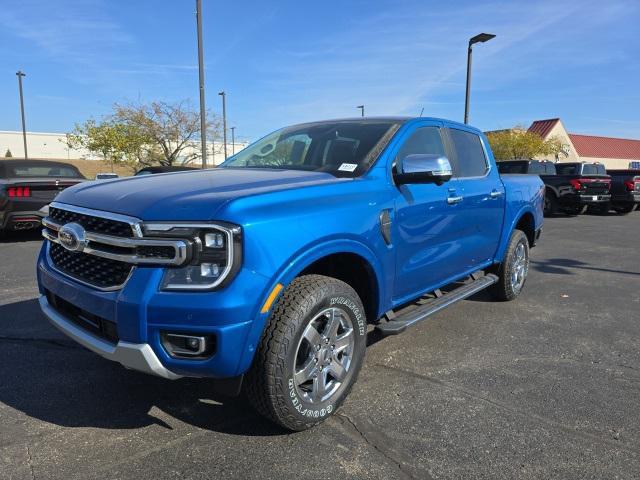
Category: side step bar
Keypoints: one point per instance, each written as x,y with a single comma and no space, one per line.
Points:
401,322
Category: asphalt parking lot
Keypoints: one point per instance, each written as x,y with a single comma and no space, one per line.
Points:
547,386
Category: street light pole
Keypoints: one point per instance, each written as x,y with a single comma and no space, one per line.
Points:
203,114
233,140
480,38
361,107
224,121
21,74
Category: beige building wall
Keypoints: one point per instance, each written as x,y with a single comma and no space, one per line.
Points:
560,132
52,146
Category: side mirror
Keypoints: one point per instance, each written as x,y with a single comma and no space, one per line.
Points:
424,168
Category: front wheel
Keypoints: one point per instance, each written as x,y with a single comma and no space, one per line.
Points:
310,354
512,272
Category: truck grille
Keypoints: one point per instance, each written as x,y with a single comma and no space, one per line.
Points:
91,223
100,272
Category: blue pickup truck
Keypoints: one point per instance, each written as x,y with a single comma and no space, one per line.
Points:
268,272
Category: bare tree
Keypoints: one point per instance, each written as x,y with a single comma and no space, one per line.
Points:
173,127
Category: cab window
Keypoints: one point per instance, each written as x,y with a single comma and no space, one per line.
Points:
470,157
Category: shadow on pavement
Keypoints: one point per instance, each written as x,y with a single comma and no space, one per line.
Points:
51,378
563,266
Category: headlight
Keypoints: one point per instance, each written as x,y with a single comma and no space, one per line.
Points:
216,254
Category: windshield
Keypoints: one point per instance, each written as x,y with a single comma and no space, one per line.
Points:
343,148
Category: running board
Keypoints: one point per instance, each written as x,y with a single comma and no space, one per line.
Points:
401,322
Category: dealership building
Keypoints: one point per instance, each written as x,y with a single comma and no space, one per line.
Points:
53,146
613,152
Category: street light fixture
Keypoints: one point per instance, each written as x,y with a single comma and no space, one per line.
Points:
480,38
21,74
361,107
224,121
203,113
233,140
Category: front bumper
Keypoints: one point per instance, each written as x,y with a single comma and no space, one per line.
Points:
141,313
631,197
593,199
137,356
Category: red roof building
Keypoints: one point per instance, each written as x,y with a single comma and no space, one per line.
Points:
612,152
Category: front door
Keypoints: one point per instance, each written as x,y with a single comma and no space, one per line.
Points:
426,236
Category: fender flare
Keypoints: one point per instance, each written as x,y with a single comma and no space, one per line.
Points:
504,241
289,271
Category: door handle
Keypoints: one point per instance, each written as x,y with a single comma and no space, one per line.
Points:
495,193
452,200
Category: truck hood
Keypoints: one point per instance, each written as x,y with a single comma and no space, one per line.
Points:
192,195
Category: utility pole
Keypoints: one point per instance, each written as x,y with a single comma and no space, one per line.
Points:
233,140
203,114
21,74
480,38
224,121
361,107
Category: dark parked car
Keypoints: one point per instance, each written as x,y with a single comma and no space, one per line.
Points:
163,169
569,187
26,186
625,190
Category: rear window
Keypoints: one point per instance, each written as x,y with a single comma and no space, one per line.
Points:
569,169
593,169
536,167
38,170
512,167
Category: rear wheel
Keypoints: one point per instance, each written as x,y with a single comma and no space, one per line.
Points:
310,354
574,210
512,272
624,209
601,209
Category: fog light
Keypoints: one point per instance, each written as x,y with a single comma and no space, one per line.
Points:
189,346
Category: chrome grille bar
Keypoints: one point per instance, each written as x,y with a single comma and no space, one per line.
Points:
181,248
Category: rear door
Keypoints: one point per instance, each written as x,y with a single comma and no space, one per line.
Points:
481,209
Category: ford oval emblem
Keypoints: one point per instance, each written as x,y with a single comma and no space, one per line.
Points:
72,237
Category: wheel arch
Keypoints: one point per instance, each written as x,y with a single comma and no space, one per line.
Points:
320,259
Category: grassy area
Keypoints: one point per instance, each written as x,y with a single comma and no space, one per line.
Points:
90,168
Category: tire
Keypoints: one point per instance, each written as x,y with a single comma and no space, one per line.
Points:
550,203
512,272
624,209
599,209
575,210
297,344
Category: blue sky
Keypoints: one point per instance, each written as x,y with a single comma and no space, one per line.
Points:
289,61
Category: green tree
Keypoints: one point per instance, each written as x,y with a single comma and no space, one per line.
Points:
518,143
8,154
116,143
